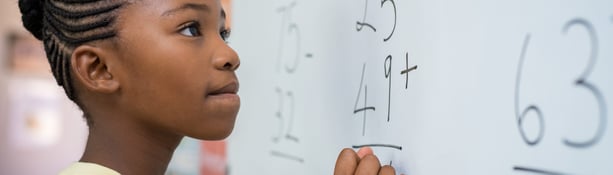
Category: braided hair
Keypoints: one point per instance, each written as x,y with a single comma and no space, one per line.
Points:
63,25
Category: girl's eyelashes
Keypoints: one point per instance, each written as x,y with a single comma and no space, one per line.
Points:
190,29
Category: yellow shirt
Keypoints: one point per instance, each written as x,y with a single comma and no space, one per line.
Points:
83,168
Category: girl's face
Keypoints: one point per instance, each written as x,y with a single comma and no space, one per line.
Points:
175,70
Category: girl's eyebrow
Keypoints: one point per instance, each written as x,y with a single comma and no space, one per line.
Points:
187,6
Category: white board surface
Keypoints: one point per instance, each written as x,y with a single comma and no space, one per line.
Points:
463,87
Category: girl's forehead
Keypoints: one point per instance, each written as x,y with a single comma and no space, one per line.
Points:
168,7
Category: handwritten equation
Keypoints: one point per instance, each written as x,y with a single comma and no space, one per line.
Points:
395,68
289,59
362,106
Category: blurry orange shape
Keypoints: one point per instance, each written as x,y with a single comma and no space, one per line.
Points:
213,159
34,113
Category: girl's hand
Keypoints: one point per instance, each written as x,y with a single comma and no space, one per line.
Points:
364,162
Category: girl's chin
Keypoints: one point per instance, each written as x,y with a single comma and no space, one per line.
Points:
217,134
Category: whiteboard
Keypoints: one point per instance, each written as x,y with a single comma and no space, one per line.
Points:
435,86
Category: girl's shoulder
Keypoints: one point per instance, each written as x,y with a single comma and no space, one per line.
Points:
81,168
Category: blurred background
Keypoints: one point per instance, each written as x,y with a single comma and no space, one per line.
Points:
41,131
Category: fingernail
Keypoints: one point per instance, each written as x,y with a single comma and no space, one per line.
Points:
364,151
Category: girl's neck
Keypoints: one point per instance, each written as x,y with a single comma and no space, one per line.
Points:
130,147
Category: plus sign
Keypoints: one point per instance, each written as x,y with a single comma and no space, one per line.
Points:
407,70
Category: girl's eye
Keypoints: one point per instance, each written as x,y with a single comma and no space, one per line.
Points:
191,30
225,34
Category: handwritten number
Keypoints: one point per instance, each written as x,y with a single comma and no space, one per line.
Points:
289,135
521,115
291,69
292,28
360,24
583,82
387,67
279,114
282,116
395,18
357,100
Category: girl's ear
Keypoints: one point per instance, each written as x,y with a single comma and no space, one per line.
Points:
91,69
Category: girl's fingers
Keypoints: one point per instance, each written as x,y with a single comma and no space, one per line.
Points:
369,165
387,170
346,163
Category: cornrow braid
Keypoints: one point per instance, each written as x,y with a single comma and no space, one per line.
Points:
63,25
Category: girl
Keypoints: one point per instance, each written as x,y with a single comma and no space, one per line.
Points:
146,73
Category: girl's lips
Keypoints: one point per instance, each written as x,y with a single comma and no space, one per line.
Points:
229,89
226,96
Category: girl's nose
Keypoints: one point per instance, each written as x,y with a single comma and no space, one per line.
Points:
226,59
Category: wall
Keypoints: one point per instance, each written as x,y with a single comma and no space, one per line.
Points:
19,155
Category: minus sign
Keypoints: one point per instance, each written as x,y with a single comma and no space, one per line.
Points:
378,145
535,170
309,55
